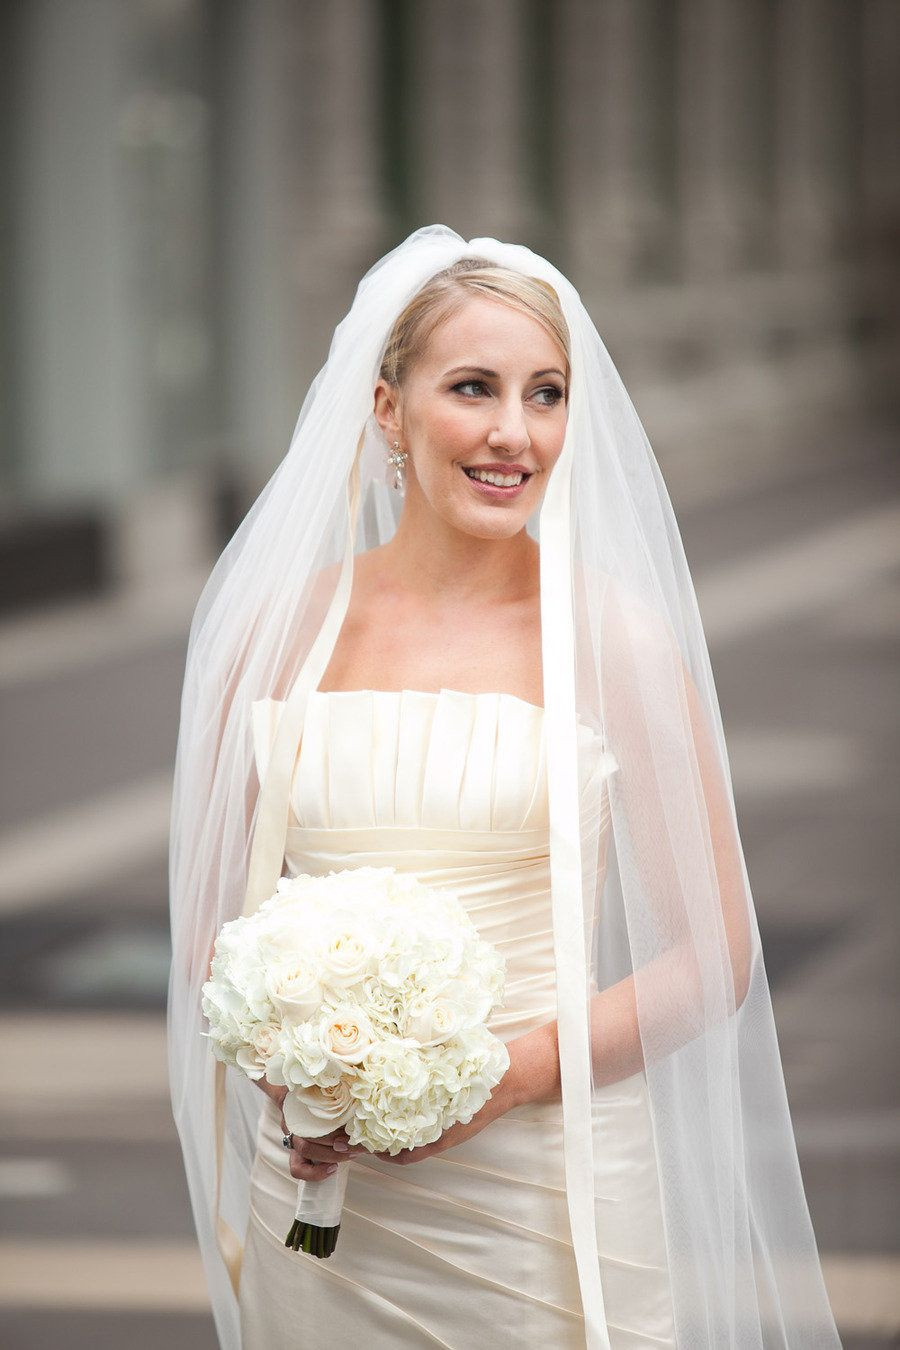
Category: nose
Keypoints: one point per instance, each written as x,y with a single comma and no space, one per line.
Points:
511,430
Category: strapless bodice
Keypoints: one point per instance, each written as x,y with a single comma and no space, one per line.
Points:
416,759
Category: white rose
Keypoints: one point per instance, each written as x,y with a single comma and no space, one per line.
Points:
346,1034
348,956
295,989
253,1057
314,1110
436,1023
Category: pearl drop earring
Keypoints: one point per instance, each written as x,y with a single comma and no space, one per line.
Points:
397,458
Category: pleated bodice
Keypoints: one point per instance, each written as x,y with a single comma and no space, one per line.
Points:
420,759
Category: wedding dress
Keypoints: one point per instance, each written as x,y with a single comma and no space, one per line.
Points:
470,1247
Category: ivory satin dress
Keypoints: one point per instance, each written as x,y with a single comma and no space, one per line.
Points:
471,1247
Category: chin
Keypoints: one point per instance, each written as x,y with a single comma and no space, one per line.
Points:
505,528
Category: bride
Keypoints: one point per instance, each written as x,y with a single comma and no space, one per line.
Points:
456,634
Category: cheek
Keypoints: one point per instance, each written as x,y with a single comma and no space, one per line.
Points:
452,432
552,443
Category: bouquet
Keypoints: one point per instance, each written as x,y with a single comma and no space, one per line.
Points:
365,993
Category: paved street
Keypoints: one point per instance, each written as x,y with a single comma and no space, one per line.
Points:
795,549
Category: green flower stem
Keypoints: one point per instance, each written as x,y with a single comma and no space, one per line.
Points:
308,1237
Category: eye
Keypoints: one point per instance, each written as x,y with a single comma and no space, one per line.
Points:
555,393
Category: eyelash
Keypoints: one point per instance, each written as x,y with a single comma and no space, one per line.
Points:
545,389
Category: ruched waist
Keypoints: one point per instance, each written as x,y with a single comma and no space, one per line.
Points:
397,841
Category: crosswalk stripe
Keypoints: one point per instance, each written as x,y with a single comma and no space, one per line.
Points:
84,844
148,1275
803,575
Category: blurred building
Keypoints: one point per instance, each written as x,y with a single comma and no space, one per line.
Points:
193,188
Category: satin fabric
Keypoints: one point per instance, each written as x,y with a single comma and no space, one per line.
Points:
473,1245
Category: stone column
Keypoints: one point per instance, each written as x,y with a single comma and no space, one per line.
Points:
617,139
819,68
879,205
726,133
299,216
467,69
82,416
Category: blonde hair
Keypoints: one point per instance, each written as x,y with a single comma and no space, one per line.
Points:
447,291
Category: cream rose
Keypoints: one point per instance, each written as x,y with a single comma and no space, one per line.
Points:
436,1023
348,957
312,1111
346,1034
252,1058
294,989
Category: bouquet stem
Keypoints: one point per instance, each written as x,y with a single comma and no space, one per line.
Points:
317,1219
307,1237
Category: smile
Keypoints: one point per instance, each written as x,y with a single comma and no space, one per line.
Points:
496,485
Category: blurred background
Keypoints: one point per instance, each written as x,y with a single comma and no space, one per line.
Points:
192,189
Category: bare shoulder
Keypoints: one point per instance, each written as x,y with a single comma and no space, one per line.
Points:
371,577
365,567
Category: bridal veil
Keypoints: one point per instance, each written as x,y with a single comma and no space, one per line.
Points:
668,909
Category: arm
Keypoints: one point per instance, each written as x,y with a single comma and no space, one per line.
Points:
675,1005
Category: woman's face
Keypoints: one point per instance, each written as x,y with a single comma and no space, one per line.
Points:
488,395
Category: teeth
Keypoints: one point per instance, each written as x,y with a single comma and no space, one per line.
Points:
498,479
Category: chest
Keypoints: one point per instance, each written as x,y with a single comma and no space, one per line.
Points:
467,648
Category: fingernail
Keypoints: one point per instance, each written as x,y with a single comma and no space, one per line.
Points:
340,1146
332,1167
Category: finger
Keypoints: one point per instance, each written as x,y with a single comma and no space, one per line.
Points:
316,1150
312,1150
304,1170
338,1136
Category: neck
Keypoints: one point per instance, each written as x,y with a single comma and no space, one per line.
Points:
441,561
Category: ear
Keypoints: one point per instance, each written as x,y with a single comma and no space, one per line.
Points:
387,410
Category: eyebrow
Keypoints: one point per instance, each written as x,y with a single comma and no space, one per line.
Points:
492,374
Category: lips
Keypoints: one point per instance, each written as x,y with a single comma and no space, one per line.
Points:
499,468
492,490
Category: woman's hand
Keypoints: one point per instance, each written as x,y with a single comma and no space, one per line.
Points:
320,1148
